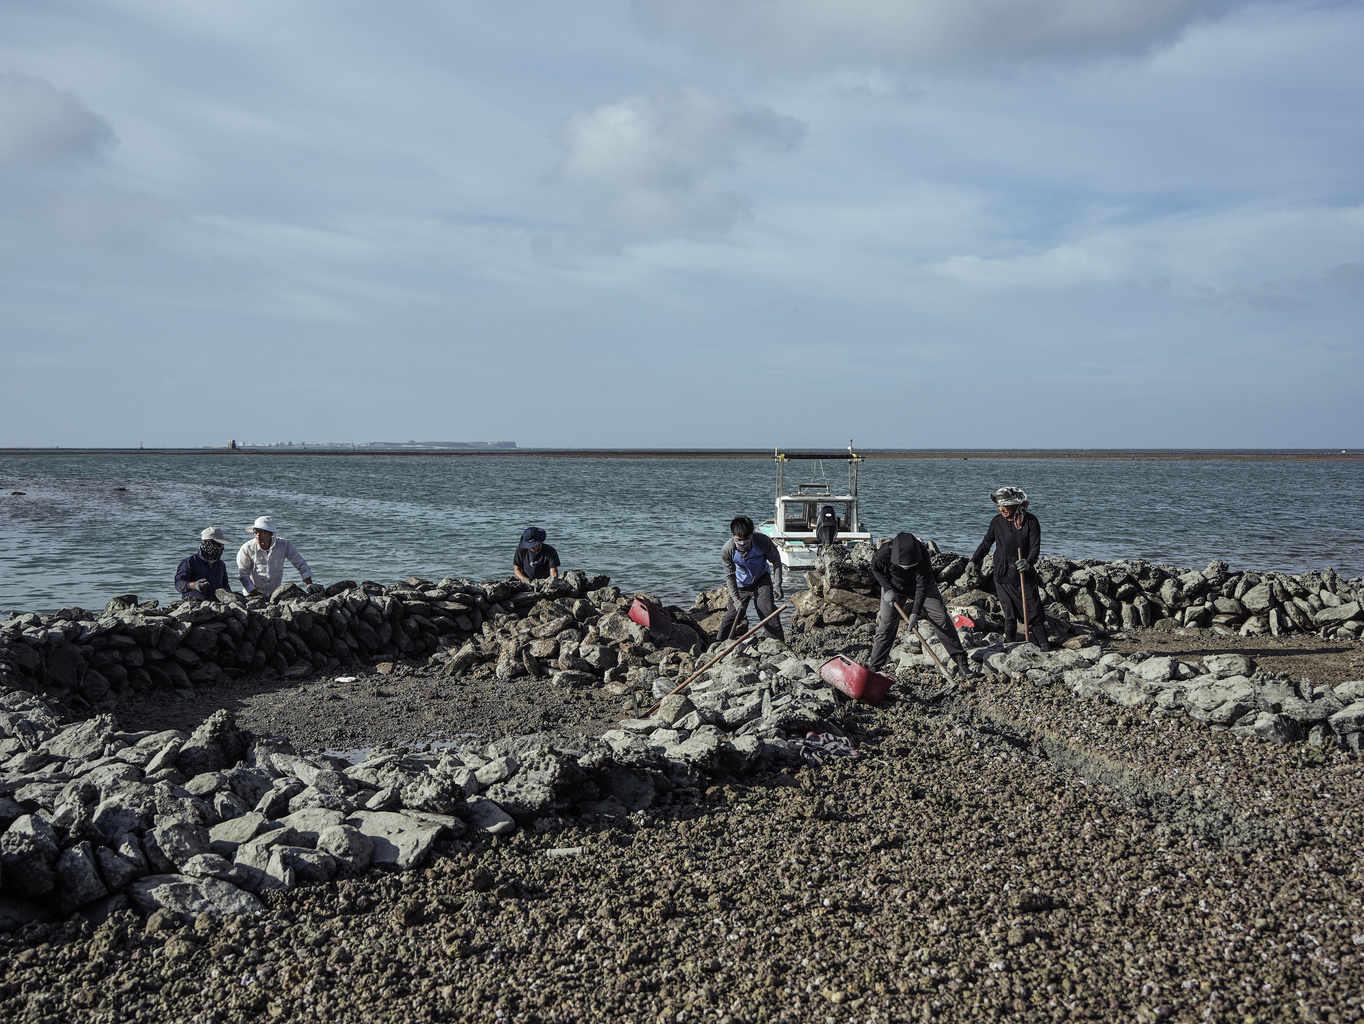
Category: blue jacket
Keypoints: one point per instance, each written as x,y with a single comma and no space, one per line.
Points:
196,567
744,570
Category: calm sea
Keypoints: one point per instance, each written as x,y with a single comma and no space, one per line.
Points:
88,527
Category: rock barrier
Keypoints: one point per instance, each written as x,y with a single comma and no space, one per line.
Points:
1083,595
573,630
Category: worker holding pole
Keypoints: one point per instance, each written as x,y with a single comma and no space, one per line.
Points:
746,557
903,568
1016,536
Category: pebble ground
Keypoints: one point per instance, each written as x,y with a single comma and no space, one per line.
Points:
995,852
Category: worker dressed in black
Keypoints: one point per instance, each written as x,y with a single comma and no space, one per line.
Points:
746,557
903,568
1016,536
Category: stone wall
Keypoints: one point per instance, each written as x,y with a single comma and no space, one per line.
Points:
573,629
1117,595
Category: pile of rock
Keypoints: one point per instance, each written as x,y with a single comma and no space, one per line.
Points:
95,818
580,641
1120,595
571,625
1226,691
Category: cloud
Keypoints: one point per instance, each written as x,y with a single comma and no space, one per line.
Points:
798,36
646,161
40,126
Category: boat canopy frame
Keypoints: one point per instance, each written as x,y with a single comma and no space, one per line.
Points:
811,490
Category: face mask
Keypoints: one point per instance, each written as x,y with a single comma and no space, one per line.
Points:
744,545
210,549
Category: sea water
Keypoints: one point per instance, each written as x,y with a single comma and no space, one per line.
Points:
92,526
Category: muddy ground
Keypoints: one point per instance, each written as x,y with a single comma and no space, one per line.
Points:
996,852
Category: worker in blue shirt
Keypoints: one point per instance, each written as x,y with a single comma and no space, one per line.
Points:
746,556
204,573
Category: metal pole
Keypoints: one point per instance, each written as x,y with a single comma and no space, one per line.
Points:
721,657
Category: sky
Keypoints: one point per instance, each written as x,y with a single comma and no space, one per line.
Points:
683,223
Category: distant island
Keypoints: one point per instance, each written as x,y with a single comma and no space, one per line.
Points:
369,446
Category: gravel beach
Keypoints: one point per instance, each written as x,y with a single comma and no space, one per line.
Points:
995,851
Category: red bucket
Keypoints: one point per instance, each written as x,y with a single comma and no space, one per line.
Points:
652,616
856,681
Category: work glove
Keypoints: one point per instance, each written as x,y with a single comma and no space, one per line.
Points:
314,588
913,623
201,586
736,600
777,593
892,596
1022,565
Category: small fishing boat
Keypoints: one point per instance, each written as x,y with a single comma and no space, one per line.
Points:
796,527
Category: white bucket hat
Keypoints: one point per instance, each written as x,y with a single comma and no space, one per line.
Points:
264,523
214,534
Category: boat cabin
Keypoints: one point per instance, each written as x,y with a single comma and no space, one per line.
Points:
795,528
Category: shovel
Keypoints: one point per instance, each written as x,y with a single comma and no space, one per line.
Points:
924,643
718,658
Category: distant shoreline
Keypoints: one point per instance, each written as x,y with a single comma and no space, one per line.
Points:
1079,455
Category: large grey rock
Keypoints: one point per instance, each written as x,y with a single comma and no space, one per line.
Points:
487,816
1335,616
132,807
349,847
1268,728
28,849
215,746
226,836
187,897
497,770
310,823
1343,723
85,740
1157,670
179,841
399,841
524,800
117,871
1221,666
1259,598
78,879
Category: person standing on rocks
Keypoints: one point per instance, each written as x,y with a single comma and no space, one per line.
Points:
1015,529
746,556
905,571
260,561
204,573
534,559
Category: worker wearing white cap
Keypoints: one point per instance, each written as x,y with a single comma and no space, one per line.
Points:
260,561
203,574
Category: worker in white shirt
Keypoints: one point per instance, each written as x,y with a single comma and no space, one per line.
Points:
260,561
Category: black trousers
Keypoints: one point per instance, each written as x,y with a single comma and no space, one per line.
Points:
1011,597
760,593
888,624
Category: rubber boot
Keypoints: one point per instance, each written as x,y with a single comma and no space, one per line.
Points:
963,666
1010,630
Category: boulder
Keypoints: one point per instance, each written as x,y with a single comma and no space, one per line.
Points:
186,898
85,740
1259,598
215,746
1221,666
351,849
77,877
1334,616
399,841
489,817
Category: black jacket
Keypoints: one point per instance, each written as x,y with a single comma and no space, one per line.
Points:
902,564
1007,539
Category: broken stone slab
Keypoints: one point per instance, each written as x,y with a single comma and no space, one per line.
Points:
311,822
187,897
524,800
1335,616
496,771
399,841
84,740
178,841
488,817
1222,666
226,836
1268,727
1343,723
77,877
350,848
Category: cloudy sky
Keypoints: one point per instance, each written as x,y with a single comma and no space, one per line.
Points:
917,223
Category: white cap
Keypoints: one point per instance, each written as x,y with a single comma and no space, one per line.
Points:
214,534
266,523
